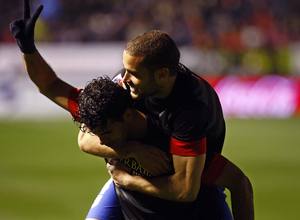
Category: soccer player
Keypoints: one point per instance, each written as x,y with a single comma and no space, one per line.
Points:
94,105
181,105
57,90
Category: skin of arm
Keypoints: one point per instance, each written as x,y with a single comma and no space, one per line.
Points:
240,189
182,186
46,80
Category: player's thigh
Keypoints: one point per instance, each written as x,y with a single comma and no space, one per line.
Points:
106,205
213,204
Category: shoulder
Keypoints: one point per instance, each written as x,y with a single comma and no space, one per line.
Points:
190,122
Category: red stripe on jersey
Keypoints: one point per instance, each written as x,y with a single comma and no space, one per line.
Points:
73,103
214,169
187,148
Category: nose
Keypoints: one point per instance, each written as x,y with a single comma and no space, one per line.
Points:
126,77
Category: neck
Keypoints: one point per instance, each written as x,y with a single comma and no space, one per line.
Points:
167,88
138,126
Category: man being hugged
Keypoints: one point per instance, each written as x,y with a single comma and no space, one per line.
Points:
179,105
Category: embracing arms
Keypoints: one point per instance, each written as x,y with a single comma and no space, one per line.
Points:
142,153
229,176
182,186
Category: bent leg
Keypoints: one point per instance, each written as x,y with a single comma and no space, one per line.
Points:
213,204
106,206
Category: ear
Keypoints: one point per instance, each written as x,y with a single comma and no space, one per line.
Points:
161,75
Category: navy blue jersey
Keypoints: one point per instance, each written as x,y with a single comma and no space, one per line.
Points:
191,113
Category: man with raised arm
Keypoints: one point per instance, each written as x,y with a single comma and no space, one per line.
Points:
187,167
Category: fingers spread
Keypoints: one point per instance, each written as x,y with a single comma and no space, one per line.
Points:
37,13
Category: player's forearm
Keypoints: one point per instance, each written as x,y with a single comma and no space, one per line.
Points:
100,150
46,80
39,71
182,186
91,144
168,188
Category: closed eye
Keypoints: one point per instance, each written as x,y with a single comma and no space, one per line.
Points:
134,73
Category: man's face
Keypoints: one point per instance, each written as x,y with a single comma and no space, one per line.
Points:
115,133
139,79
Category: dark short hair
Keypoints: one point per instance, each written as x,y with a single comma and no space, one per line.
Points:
100,100
158,49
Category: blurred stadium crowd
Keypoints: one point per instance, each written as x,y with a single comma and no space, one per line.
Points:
230,36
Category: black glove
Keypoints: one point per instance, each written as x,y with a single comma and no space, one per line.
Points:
23,29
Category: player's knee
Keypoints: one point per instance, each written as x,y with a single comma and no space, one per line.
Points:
82,142
83,147
86,148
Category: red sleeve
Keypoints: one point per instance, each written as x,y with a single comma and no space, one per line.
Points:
214,169
187,148
73,103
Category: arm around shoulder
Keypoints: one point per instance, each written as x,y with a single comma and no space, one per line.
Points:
182,186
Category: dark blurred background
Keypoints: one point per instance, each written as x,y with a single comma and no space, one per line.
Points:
232,36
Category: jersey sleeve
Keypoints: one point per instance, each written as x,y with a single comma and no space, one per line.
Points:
188,148
189,133
73,107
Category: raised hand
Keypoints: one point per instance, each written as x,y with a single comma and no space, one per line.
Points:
23,29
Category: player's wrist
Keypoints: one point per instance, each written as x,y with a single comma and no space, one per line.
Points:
26,44
27,48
